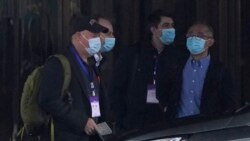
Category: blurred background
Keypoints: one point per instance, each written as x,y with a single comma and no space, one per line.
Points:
31,30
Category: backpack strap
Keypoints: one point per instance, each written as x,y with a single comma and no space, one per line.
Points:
67,72
67,77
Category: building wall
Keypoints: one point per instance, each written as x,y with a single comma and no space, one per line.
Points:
227,17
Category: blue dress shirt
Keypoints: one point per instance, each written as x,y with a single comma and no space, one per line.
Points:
193,76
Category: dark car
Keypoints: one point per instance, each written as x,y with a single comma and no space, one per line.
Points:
231,127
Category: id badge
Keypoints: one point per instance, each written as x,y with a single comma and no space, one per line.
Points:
151,94
95,106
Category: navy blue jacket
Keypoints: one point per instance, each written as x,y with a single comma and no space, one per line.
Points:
70,119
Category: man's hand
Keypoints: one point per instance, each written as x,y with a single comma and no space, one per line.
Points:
90,128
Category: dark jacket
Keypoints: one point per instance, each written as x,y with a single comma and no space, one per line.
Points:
132,74
218,94
69,119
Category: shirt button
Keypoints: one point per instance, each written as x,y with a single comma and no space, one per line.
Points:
193,81
195,70
192,91
191,101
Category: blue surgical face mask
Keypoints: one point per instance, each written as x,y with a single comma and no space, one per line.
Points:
196,45
167,36
94,46
109,44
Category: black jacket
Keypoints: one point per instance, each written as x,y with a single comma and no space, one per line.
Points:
132,74
218,94
69,119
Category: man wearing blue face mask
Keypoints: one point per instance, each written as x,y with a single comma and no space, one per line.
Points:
202,86
76,115
102,61
108,40
137,72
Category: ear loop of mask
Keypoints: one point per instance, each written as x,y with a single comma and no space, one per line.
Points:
206,42
81,41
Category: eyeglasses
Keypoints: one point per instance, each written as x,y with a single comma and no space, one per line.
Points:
200,35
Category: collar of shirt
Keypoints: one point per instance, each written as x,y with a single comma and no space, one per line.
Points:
202,63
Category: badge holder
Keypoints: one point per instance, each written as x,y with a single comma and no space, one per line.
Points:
151,94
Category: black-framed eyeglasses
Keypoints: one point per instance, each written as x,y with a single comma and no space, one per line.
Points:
203,36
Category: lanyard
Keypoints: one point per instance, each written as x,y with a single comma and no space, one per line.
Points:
155,69
85,70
